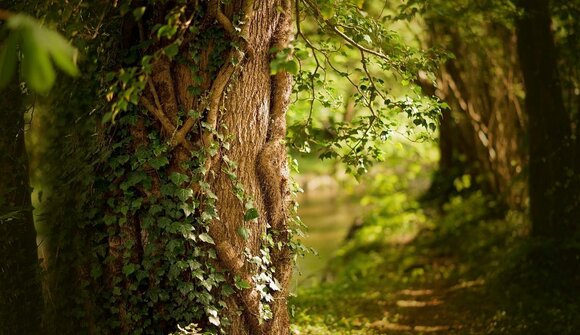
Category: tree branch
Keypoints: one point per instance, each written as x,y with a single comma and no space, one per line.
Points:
224,21
165,122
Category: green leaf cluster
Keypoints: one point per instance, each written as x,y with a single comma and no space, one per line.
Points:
40,50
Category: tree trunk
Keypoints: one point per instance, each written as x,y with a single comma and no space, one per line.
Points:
482,134
187,220
255,116
20,291
553,198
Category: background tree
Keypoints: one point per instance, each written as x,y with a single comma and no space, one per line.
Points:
21,298
553,166
23,39
482,133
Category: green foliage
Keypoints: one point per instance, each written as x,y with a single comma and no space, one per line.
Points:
176,245
473,259
41,50
347,45
401,248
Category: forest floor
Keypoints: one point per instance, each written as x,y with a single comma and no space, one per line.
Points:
465,270
413,299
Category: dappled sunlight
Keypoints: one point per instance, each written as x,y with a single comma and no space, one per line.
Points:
415,293
393,327
417,303
467,284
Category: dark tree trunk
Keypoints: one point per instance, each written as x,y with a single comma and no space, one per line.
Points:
20,290
553,198
451,165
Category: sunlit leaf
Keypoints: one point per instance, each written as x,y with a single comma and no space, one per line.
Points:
36,66
206,238
244,232
292,66
63,54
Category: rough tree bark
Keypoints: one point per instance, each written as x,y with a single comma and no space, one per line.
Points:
255,115
245,104
20,290
554,198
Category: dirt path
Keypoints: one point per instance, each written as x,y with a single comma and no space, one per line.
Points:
416,299
439,310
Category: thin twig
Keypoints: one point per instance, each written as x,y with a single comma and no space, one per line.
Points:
364,64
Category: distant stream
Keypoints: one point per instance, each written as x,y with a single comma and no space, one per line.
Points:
328,212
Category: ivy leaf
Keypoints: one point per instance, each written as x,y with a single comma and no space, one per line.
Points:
178,178
96,271
206,238
187,209
227,290
158,162
274,285
214,320
251,214
243,232
128,269
213,316
171,50
242,284
184,194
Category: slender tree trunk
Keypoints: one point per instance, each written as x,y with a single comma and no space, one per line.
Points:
553,199
20,291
